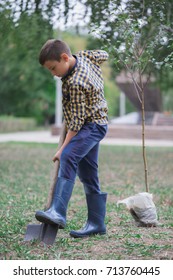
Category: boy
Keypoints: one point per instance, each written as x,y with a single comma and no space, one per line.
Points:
85,114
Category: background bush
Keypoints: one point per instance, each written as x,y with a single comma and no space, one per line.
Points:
12,124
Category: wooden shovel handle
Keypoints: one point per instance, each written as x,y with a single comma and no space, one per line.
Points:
56,167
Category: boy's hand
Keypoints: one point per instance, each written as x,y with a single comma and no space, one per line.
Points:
70,134
57,155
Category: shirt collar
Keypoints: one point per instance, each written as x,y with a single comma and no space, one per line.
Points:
71,70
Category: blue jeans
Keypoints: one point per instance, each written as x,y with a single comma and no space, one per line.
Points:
80,157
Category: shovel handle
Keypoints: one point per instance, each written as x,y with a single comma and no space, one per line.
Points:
56,167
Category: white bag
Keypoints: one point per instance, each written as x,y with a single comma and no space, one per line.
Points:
142,209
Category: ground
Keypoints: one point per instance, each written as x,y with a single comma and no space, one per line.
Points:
25,172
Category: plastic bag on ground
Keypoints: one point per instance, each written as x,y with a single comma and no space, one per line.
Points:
142,209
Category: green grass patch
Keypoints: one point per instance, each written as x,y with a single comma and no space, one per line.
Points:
25,172
13,124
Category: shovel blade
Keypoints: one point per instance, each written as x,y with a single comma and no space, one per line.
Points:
48,233
43,232
32,232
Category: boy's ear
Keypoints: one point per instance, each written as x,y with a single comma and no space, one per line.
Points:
65,57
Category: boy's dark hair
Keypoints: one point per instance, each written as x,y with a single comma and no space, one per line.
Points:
52,50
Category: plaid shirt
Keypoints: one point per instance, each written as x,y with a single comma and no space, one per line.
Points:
83,91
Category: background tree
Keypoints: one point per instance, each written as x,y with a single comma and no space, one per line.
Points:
139,30
26,89
154,18
26,25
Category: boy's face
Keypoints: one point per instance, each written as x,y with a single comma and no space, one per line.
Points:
58,68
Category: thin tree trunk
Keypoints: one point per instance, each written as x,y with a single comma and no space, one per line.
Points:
143,142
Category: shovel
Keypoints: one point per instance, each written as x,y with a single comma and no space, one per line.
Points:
45,232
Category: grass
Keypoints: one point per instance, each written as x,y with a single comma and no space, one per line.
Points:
25,172
15,124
